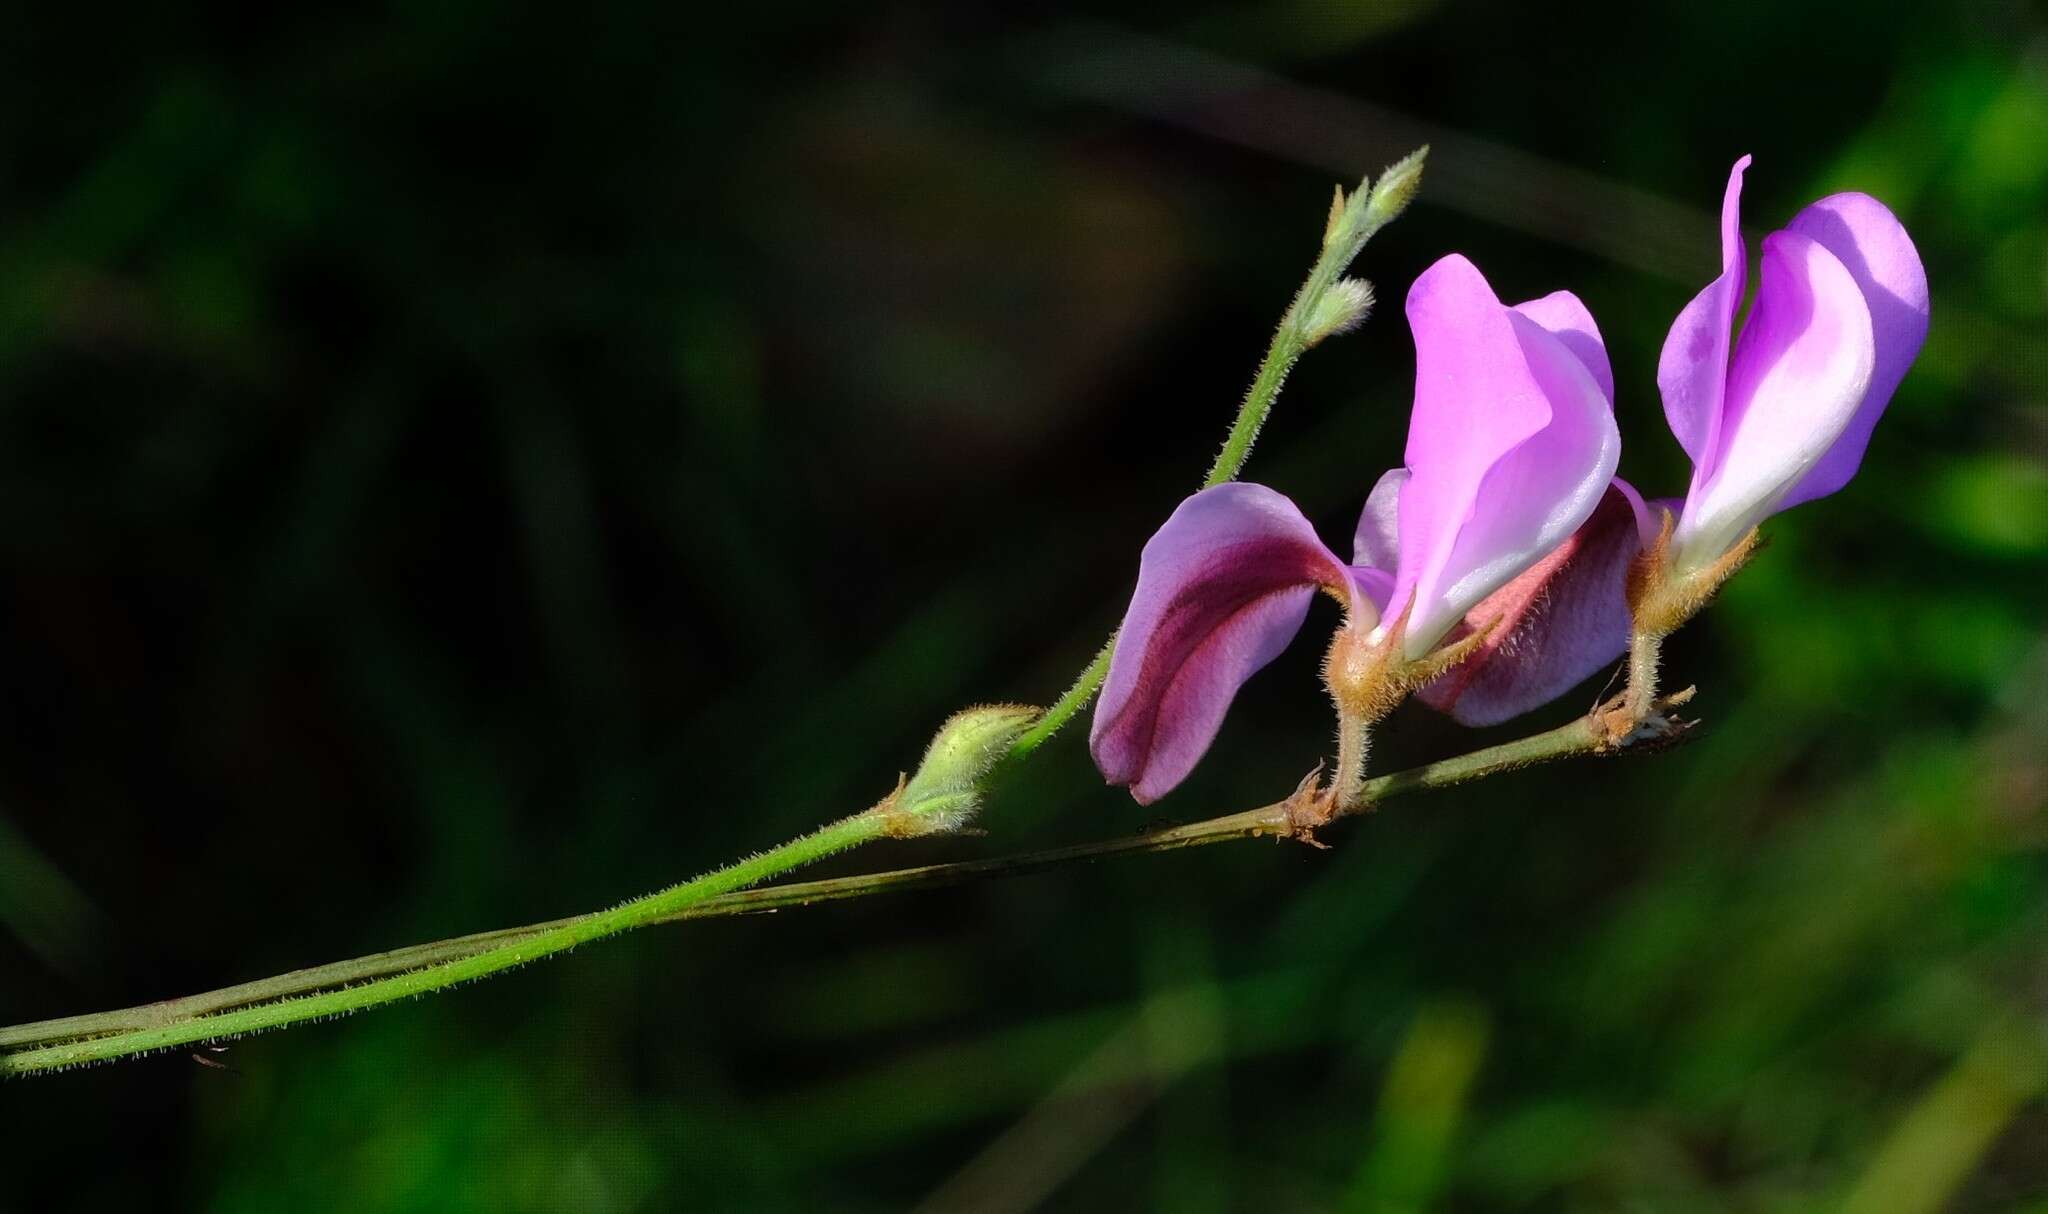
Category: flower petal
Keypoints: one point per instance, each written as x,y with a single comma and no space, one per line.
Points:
1370,587
1692,372
1873,246
1568,320
1377,542
1510,446
1223,586
1649,515
1558,622
1801,368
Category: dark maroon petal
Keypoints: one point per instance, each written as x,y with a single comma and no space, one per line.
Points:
1222,588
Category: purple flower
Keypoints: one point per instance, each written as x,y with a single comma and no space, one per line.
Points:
1774,415
1222,588
1781,412
1510,447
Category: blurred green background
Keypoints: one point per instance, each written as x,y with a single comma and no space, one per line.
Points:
465,464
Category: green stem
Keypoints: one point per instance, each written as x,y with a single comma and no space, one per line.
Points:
1063,710
1290,342
1366,212
280,986
1644,648
517,951
386,977
1354,744
275,1002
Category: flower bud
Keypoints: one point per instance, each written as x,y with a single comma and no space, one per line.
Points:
1341,309
946,790
1396,188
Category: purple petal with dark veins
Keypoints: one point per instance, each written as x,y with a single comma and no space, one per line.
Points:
1223,587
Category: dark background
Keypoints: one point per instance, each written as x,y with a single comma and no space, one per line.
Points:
462,465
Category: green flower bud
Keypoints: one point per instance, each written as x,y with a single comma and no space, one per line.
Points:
946,790
1341,309
1333,227
1371,206
1396,188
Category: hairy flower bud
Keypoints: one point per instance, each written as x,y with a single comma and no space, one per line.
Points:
946,790
1341,309
1370,207
1396,188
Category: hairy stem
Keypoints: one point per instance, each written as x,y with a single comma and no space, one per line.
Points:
514,951
1063,710
1644,649
1363,215
1354,745
401,974
1350,228
369,982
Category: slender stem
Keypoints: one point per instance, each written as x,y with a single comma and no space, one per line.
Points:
386,977
1644,649
274,1002
1365,214
280,986
1354,745
517,951
1063,710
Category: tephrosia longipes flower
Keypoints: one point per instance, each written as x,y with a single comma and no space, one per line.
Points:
1773,415
1510,446
1780,413
1222,588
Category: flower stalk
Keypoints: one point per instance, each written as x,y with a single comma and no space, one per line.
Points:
1307,319
391,977
519,950
1327,303
1368,678
1504,543
1661,600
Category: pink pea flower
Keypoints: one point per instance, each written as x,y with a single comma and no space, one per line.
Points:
1773,415
1222,588
1784,416
1510,446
